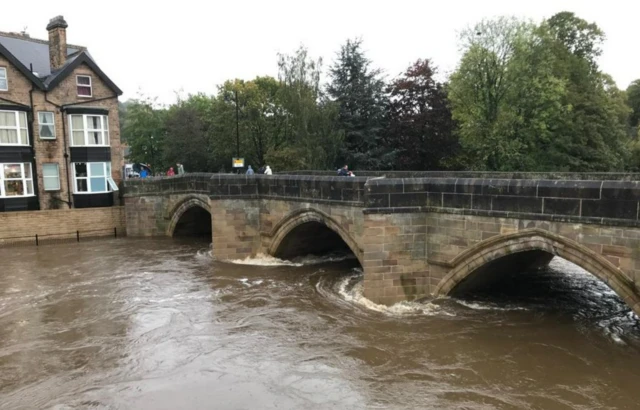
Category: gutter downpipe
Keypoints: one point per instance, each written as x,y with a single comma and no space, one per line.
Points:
66,154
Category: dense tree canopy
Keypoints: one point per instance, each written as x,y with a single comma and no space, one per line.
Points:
421,129
524,96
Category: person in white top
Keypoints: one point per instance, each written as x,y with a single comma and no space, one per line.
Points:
268,171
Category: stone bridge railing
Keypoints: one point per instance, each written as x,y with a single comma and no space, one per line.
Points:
605,199
291,187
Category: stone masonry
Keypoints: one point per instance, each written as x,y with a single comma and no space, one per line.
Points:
415,237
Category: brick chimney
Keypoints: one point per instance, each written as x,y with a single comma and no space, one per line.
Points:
57,29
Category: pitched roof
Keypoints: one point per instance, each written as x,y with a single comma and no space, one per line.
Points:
26,52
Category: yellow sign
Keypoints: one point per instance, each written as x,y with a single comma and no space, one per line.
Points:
237,162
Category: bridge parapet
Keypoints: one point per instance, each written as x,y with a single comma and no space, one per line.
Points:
323,189
600,202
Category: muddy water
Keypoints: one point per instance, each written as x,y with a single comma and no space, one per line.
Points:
157,324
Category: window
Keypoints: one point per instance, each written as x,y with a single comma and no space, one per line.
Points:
47,125
51,177
4,83
89,130
16,180
84,85
13,128
93,177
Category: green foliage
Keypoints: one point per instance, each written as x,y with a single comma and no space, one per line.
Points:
592,135
633,99
145,129
359,92
311,125
188,134
504,96
533,99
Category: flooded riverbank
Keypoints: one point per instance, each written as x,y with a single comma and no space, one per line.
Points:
158,324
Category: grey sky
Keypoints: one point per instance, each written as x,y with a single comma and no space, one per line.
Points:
191,46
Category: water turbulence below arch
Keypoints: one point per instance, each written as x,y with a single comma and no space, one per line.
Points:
311,238
500,274
549,286
194,222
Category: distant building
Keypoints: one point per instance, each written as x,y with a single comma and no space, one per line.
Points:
59,128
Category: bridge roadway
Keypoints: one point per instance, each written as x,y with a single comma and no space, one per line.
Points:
415,234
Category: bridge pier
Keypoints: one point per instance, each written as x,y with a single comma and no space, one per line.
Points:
235,228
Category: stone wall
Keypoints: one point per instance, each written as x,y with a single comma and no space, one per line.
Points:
235,228
613,203
395,267
51,225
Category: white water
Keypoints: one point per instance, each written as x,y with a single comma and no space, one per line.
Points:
267,260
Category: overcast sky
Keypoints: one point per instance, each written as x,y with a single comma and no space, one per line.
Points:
192,46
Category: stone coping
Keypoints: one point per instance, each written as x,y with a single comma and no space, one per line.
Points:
595,176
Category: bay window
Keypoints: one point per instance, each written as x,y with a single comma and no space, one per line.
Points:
89,130
13,128
16,180
93,178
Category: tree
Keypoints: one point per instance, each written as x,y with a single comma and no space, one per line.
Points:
533,98
359,92
421,129
311,129
592,135
188,125
144,127
504,96
633,98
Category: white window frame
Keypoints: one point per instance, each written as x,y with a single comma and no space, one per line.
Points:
5,77
109,183
17,127
25,181
45,177
90,85
105,130
40,124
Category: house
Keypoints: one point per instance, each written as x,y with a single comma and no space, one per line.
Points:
59,128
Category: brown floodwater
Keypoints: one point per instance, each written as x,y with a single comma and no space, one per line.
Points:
158,324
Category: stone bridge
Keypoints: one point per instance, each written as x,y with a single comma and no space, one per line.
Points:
415,234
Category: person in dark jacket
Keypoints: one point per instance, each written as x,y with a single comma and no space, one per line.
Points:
343,172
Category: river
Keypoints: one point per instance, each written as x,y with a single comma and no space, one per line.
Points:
158,324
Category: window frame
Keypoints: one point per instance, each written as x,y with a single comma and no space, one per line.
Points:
6,78
17,128
45,177
53,124
25,181
106,142
108,179
90,86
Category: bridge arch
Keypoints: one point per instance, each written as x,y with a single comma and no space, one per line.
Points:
484,253
308,217
189,206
